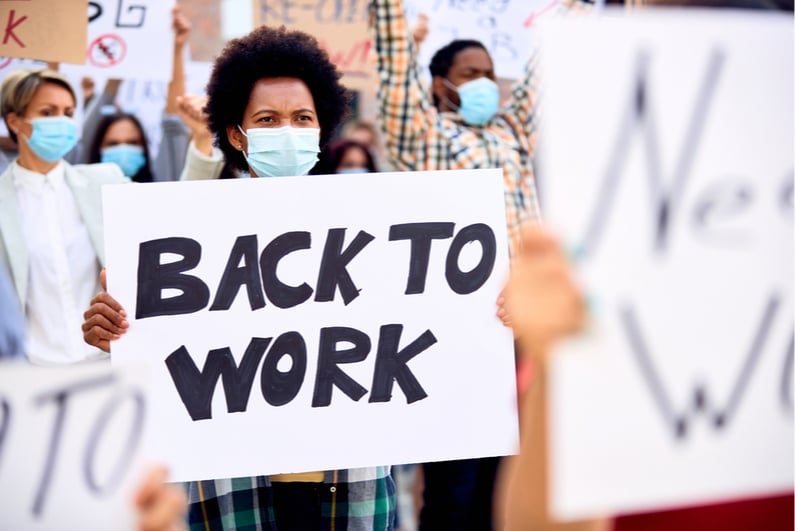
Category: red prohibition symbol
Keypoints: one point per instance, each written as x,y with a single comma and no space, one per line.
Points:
107,50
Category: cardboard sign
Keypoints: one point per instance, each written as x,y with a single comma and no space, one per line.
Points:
43,30
681,391
71,446
507,28
341,30
128,39
324,321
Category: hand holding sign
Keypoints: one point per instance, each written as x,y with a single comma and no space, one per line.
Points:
105,320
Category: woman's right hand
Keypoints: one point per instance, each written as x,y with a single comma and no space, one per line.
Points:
105,320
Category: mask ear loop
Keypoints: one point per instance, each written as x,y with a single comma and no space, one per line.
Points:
240,146
446,100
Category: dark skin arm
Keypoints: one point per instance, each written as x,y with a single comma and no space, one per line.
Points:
105,320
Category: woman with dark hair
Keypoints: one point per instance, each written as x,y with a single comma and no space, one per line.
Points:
120,139
345,156
271,117
274,99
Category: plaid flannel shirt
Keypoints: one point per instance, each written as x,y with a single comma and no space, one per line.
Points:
419,137
361,499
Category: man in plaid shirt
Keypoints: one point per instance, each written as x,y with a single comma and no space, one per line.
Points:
425,133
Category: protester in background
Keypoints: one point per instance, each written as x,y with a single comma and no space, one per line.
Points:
366,133
51,227
103,113
121,140
274,100
459,123
345,156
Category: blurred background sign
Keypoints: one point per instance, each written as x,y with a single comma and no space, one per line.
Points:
36,29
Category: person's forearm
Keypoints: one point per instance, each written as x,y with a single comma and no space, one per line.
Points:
198,166
524,482
176,87
204,143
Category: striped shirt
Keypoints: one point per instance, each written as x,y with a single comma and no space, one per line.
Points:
360,499
419,137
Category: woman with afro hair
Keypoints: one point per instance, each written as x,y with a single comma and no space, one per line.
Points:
274,100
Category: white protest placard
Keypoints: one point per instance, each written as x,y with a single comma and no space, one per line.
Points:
71,446
128,39
673,176
507,28
352,317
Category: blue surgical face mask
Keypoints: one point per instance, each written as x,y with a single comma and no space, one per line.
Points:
52,137
480,100
283,151
129,157
357,169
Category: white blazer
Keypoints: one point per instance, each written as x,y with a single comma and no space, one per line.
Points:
85,181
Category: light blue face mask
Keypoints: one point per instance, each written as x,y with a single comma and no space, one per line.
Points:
480,100
353,170
283,151
52,137
129,157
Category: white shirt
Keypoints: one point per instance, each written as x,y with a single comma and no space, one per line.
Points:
63,268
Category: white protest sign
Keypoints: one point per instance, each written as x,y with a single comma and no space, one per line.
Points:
507,28
128,39
673,175
347,313
71,446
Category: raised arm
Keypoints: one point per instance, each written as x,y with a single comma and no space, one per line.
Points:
407,114
522,104
545,306
176,86
202,160
175,136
